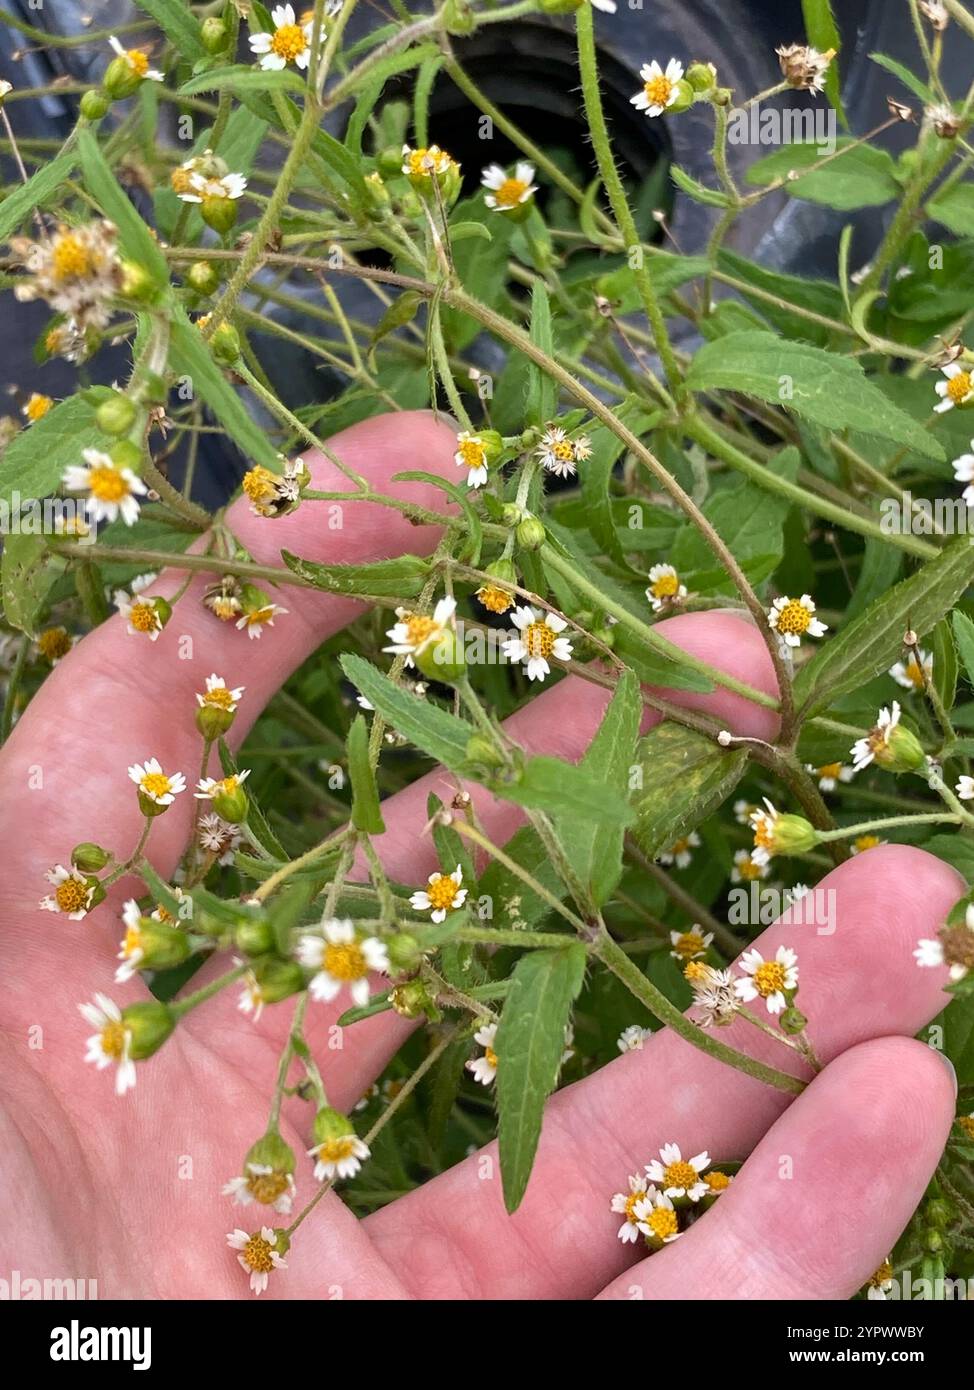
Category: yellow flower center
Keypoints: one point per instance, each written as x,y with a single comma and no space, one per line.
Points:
662,1222
472,452
564,451
54,643
143,617
37,407
494,599
717,1181
344,961
155,784
658,90
632,1202
442,892
764,832
70,257
258,483
419,628
71,896
490,1057
107,484
423,162
679,847
914,673
748,870
695,971
267,1187
794,618
830,770
137,61
864,842
679,1174
257,1253
203,322
225,607
132,942
113,1040
539,640
769,978
959,386
966,1123
260,615
666,586
289,42
883,1275
958,944
180,180
510,193
689,944
219,696
334,1150
162,914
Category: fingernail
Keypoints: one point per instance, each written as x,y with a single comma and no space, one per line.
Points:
444,417
951,1068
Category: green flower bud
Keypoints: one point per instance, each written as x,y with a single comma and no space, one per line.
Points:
389,161
116,415
120,79
933,1242
413,1000
530,533
162,946
89,857
331,1124
792,835
458,18
482,752
94,105
137,283
511,514
723,96
442,660
203,277
253,936
702,77
230,801
219,213
214,34
793,1021
684,99
902,752
503,571
377,195
271,1151
606,635
213,720
278,979
405,952
225,344
127,454
150,1024
938,1213
560,6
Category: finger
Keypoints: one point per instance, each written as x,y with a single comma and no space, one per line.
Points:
821,1202
858,982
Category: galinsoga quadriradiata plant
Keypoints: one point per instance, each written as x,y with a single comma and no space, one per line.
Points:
611,698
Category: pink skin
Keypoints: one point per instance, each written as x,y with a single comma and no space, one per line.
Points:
127,1191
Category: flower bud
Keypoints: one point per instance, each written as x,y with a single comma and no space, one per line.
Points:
413,999
278,979
405,952
793,835
443,659
120,79
511,514
219,213
214,720
230,801
389,161
793,1021
271,1151
89,857
225,344
162,946
530,533
126,454
214,34
377,195
94,105
116,415
702,77
137,283
331,1124
253,936
150,1024
458,18
684,99
203,277
482,752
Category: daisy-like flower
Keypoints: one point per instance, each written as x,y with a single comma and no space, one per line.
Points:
952,947
964,473
794,618
111,1042
256,619
913,674
495,599
220,695
54,643
746,869
154,784
537,641
677,1176
339,1157
427,161
72,893
414,632
144,617
200,188
274,494
471,454
112,490
829,775
339,957
442,894
265,1184
218,836
251,998
508,191
625,1203
714,995
763,822
211,788
864,750
743,811
803,67
131,950
656,1218
958,389
559,454
881,1283
136,61
289,43
631,1039
65,340
664,587
36,407
77,271
257,1252
680,851
688,945
483,1069
770,980
661,87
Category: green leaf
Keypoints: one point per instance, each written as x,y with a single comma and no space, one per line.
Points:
41,186
862,177
179,25
823,34
441,735
403,577
256,820
26,576
819,296
700,193
530,1043
945,663
245,78
366,812
548,784
955,209
874,640
964,637
542,393
134,237
919,89
817,385
606,449
35,459
685,777
514,903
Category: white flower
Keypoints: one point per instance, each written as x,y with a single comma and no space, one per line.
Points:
714,995
679,852
341,957
508,191
251,998
770,980
559,454
136,60
743,810
793,618
536,641
471,454
209,787
72,893
484,1069
746,869
958,389
426,161
112,490
218,836
763,821
414,632
678,1176
606,6
78,271
289,43
143,617
257,1253
864,749
625,1203
202,188
688,945
131,950
964,473
829,775
256,619
660,88
953,948
442,893
340,1157
664,587
111,1042
218,693
656,1218
631,1039
965,788
247,1187
155,784
913,674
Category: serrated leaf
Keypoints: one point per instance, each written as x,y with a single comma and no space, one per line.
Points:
548,784
530,1041
863,177
819,296
245,78
26,576
366,811
955,209
42,184
178,23
542,393
817,385
403,577
685,777
441,735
